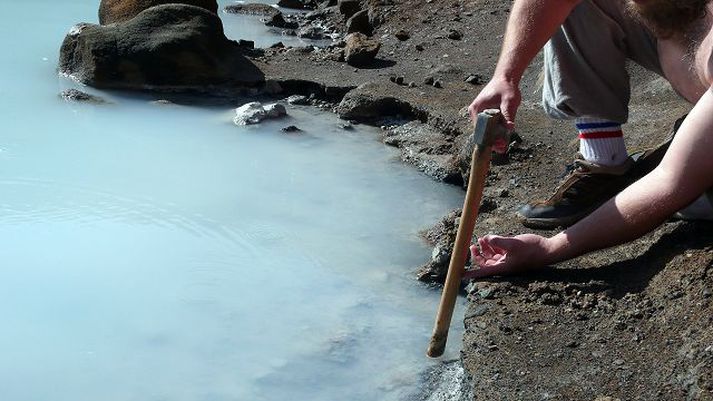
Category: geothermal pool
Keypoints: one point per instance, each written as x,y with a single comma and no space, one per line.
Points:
158,252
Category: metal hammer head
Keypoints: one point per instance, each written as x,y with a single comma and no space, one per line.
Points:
489,128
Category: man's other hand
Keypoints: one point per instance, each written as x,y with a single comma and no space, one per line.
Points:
500,256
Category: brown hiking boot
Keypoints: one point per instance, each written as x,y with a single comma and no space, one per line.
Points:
589,185
583,190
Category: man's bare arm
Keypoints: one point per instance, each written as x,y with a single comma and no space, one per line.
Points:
684,174
531,24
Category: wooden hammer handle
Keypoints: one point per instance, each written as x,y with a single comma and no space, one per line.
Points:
480,164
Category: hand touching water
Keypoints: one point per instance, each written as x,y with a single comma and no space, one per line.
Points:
500,256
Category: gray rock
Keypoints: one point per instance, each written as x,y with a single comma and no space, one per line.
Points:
311,32
360,22
167,47
475,79
254,113
260,9
111,11
249,113
298,100
275,110
360,50
426,148
362,105
316,14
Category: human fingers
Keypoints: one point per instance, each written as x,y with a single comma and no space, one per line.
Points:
485,249
508,106
497,269
500,146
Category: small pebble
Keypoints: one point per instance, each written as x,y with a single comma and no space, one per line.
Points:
455,34
402,35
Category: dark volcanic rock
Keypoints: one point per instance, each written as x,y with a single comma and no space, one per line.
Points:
168,47
349,7
296,4
360,50
359,22
361,104
278,20
291,129
425,147
252,9
75,95
455,34
402,35
111,11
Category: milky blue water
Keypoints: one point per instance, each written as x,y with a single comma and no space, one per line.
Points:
154,252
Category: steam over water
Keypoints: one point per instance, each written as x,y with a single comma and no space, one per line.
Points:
154,252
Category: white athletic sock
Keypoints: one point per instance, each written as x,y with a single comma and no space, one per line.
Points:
601,141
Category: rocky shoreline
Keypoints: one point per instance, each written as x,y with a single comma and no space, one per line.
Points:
627,323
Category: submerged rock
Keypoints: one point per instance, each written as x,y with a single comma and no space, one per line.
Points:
167,47
291,129
254,113
360,50
75,95
111,11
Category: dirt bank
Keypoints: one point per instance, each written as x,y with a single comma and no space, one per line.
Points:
632,322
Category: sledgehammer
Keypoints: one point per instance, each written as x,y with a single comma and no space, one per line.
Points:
489,128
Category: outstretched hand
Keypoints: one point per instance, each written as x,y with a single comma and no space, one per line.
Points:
499,256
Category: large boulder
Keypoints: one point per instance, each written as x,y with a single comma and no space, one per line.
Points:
111,11
366,104
167,47
360,50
